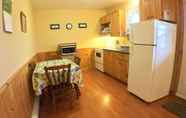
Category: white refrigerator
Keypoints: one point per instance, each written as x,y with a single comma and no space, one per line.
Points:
151,59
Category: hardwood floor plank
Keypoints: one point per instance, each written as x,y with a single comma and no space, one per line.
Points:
104,97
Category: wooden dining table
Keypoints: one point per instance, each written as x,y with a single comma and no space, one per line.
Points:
40,82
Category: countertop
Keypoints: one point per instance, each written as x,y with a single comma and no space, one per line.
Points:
119,50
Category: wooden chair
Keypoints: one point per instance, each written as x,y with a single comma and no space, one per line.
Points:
77,60
59,81
31,68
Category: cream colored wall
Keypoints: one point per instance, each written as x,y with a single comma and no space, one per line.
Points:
47,40
132,3
15,48
182,84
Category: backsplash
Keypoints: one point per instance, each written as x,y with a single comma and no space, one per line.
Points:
116,42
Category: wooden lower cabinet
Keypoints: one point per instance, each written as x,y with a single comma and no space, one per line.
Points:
107,65
124,72
116,65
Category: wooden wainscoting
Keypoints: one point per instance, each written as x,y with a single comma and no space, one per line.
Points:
87,58
16,95
42,56
85,54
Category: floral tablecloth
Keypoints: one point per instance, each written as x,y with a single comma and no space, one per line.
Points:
39,80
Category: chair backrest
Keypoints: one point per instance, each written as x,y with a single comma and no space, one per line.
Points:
77,60
58,75
31,68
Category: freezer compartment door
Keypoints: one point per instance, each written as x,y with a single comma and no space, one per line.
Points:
141,71
143,33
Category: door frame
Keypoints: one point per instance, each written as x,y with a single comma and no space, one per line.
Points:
179,46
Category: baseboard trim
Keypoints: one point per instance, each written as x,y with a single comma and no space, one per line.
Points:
35,112
181,95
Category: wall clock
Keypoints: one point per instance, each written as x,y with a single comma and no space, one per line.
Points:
69,26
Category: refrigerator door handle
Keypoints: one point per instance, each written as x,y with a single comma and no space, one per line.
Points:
145,44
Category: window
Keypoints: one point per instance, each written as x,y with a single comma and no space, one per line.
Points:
133,16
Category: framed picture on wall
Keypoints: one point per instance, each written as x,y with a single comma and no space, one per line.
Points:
54,26
82,25
7,16
23,22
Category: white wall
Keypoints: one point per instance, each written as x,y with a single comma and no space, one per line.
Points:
182,84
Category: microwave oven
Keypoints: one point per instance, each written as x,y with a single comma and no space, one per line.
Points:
67,49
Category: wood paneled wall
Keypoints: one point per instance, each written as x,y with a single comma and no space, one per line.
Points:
85,54
16,95
179,47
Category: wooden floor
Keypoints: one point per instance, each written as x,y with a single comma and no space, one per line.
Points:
104,97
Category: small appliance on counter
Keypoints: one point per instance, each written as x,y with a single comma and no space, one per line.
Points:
67,50
105,28
99,59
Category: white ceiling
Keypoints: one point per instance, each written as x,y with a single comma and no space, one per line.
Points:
75,4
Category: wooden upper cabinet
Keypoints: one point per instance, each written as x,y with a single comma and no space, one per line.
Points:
105,19
150,9
158,9
115,30
169,10
115,21
146,10
118,23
